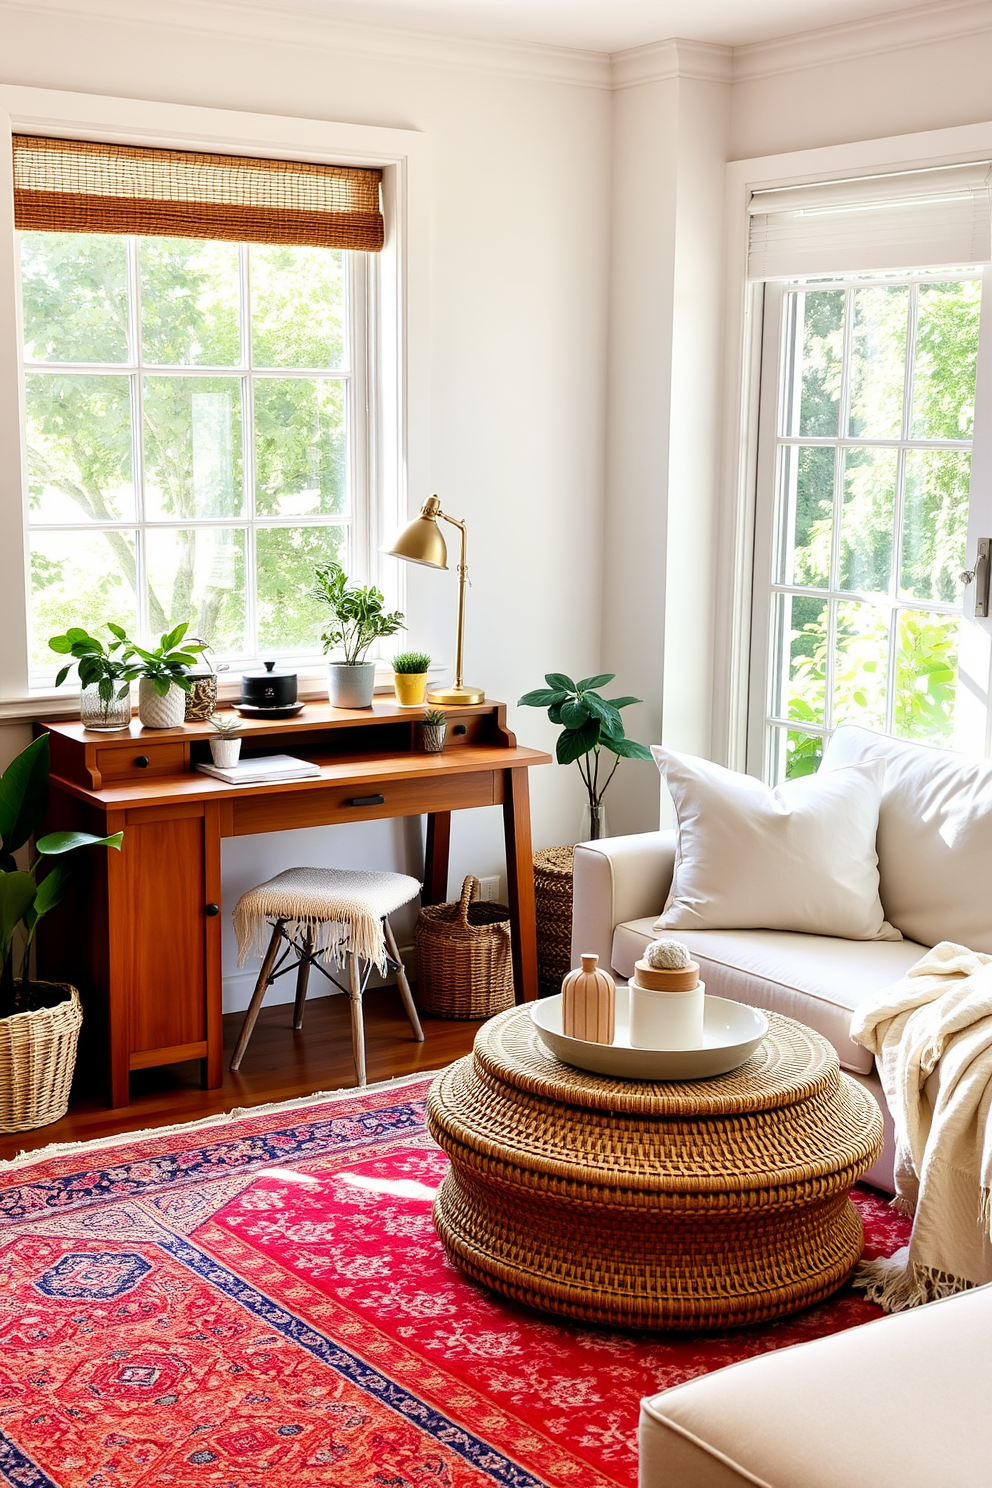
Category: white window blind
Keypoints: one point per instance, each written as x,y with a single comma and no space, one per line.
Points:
936,218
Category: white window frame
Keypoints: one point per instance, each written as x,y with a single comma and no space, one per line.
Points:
396,452
736,576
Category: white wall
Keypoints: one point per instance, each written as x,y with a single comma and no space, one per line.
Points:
517,308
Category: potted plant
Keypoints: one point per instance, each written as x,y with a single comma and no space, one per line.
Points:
358,618
590,724
164,677
226,748
410,678
39,1021
431,731
105,688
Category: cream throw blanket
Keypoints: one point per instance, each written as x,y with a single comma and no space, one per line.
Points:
339,909
939,1014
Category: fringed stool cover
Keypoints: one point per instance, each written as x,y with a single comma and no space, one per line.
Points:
338,909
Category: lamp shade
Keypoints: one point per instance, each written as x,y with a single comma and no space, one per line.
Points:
422,540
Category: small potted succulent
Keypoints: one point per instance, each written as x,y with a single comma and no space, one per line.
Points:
358,617
410,678
431,730
105,687
39,1021
163,676
225,749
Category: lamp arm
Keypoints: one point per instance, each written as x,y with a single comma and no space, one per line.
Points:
462,581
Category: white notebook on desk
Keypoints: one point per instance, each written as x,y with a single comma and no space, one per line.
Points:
268,767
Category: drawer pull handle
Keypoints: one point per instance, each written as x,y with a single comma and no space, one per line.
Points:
367,801
213,909
142,762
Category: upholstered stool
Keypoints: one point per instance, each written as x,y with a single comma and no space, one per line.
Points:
324,914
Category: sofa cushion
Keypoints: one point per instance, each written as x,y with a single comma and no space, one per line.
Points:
797,856
903,1400
814,978
934,836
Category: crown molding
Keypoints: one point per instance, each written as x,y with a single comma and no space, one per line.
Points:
945,20
663,60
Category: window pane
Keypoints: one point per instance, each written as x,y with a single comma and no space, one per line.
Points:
878,362
193,447
189,302
860,665
807,504
946,357
926,675
795,753
300,448
78,431
297,306
79,578
802,650
935,524
197,574
289,617
814,377
74,291
867,518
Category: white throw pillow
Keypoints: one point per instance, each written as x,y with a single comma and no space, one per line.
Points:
800,856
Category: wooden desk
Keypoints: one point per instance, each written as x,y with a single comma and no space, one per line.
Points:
141,933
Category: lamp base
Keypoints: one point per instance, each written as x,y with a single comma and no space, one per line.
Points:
456,697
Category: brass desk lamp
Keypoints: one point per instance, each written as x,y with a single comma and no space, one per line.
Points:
422,541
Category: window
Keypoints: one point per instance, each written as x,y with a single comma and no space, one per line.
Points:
869,461
195,435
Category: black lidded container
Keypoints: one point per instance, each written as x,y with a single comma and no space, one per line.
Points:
268,689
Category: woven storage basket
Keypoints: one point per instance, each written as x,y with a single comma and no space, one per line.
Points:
463,957
553,906
37,1059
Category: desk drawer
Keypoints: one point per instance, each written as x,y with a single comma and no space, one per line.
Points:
119,762
322,806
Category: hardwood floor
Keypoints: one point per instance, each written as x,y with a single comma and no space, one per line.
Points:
280,1064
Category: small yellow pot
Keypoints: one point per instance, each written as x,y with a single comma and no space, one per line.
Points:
411,688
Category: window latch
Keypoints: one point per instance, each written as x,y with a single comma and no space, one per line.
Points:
979,576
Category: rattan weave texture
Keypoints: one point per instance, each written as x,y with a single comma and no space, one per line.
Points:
699,1204
37,1061
553,908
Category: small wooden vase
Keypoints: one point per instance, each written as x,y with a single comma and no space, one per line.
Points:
588,1003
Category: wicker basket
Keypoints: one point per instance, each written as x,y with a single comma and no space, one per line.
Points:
37,1059
553,904
463,957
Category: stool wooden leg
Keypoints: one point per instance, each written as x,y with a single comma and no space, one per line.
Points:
402,983
256,997
302,976
357,1021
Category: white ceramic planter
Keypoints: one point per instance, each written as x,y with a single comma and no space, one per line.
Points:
156,711
351,684
225,752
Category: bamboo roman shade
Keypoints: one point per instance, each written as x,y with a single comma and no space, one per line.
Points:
930,218
79,186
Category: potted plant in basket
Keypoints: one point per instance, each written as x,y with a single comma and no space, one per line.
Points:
410,678
39,1021
590,724
163,676
105,695
358,617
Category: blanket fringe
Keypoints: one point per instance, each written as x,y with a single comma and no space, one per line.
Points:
361,933
896,1283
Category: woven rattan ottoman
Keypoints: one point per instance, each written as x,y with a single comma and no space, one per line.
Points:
697,1204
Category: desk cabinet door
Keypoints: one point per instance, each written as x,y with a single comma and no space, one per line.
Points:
159,935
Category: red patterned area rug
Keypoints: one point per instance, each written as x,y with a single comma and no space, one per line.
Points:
261,1300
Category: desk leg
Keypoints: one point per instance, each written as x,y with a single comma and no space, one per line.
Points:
520,882
435,889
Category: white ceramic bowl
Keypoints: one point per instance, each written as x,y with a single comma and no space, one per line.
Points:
731,1033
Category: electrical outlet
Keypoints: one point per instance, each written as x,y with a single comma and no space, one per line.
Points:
489,888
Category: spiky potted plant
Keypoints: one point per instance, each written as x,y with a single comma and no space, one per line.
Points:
431,730
410,678
225,749
39,1020
358,617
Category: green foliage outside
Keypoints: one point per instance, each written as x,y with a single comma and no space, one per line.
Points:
192,446
931,547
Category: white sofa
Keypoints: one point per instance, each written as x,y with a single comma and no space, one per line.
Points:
935,863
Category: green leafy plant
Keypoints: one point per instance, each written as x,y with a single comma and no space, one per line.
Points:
168,663
98,665
589,723
411,663
434,718
24,899
357,610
